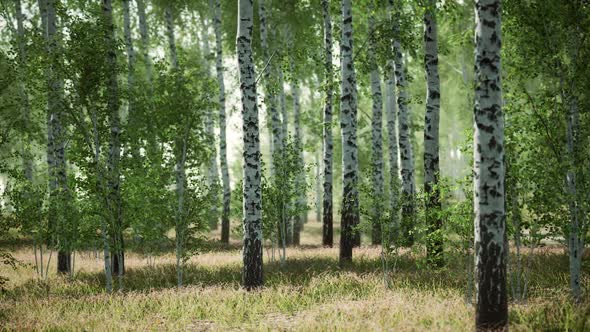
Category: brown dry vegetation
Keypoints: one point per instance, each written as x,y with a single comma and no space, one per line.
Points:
310,293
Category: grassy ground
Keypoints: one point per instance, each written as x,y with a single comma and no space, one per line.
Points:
310,293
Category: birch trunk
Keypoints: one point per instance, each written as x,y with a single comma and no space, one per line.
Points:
104,229
327,217
153,149
270,97
289,227
213,170
376,132
298,138
252,273
130,74
118,258
222,124
348,111
394,175
180,156
23,91
431,136
56,158
181,226
404,132
490,258
318,187
575,238
145,38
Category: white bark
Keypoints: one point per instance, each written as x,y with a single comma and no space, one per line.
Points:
327,221
394,175
56,141
171,39
404,132
23,91
213,170
489,194
252,273
298,138
270,96
180,156
431,133
145,38
376,132
104,232
575,233
222,124
348,123
115,143
130,50
318,187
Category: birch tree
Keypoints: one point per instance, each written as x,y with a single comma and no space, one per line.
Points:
376,130
118,258
212,170
216,7
394,175
23,91
298,139
252,201
180,155
490,255
145,38
404,132
270,97
56,142
348,112
431,135
327,217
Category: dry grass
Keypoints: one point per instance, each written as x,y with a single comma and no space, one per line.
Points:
310,293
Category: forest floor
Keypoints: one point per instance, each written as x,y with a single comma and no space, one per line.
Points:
310,293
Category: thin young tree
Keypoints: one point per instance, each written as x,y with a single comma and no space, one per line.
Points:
394,175
431,135
252,203
131,112
376,130
216,7
56,142
298,138
114,172
490,217
23,90
269,90
327,216
348,112
212,169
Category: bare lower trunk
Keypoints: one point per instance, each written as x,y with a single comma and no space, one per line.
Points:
348,112
376,135
394,176
222,125
114,143
490,217
298,138
404,131
56,158
431,136
327,222
252,277
575,234
23,91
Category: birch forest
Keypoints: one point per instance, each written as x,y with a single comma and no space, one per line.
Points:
294,165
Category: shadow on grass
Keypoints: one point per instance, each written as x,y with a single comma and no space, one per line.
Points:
548,273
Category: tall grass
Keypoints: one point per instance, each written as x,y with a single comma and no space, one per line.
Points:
311,293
